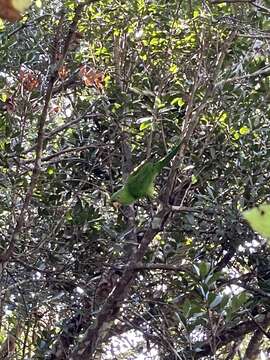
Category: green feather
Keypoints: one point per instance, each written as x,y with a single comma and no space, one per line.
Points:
140,183
123,196
167,158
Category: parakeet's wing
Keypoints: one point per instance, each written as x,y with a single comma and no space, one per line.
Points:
141,181
159,165
123,196
259,219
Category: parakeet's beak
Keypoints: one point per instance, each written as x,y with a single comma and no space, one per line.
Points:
116,205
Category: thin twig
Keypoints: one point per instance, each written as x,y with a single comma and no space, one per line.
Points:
40,139
263,71
267,334
27,25
67,125
231,1
65,151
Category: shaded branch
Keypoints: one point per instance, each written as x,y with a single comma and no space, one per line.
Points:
253,348
225,337
40,137
65,126
86,348
97,332
231,1
166,267
66,151
264,71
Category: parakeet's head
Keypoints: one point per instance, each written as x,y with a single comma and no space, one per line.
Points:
122,197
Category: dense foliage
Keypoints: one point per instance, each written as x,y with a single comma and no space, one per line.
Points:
89,90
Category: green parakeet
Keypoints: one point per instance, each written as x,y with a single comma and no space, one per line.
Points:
259,219
140,183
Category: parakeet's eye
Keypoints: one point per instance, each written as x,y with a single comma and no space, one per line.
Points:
12,9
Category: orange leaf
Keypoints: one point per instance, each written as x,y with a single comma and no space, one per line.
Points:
91,77
63,72
29,79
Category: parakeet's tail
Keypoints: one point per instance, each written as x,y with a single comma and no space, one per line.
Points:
167,158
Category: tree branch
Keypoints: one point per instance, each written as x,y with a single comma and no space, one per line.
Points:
225,337
40,137
86,348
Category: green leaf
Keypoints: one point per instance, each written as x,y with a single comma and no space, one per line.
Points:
196,13
50,170
204,269
158,103
38,4
154,42
178,101
259,219
145,122
212,278
244,130
197,269
145,125
173,69
2,25
194,179
216,301
204,291
223,117
237,301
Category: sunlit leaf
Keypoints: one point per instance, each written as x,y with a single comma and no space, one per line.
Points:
259,219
